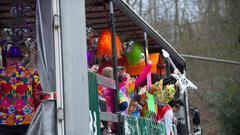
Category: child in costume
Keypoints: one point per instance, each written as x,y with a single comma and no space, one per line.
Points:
108,95
108,92
128,87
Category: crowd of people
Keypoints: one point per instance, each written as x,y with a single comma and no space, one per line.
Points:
132,99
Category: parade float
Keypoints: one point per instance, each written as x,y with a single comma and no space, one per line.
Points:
63,40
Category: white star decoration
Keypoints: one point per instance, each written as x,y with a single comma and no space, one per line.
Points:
183,82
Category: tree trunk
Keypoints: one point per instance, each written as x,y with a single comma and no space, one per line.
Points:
140,7
176,22
155,13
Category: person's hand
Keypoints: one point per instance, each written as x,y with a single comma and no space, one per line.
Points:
177,83
175,121
176,71
102,99
142,91
149,62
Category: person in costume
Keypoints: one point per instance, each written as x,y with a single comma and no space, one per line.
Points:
108,96
19,94
143,95
166,115
108,92
128,87
162,89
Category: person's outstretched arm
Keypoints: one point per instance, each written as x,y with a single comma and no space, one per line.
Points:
140,79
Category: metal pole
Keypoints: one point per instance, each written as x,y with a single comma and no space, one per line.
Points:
146,47
114,53
58,65
187,109
114,58
210,59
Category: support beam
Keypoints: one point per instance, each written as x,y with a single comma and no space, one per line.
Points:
210,59
58,67
114,53
76,101
102,17
106,22
185,99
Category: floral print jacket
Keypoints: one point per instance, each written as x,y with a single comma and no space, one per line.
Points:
19,90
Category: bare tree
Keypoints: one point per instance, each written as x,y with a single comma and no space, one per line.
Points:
176,22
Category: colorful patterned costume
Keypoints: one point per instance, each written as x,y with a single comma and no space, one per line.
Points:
163,93
127,89
18,95
108,94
